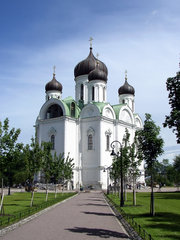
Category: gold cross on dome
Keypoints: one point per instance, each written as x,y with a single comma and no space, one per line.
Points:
91,39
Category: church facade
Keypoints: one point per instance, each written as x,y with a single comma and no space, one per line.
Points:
85,126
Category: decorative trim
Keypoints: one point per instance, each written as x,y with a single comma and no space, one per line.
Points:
52,131
90,131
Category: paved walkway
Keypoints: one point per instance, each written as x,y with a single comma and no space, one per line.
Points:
86,216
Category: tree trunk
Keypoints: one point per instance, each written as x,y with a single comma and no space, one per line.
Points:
9,190
55,191
32,199
2,186
134,193
152,210
125,191
46,192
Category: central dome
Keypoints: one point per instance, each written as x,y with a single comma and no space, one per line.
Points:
89,64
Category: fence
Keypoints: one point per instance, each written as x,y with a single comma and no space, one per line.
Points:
7,220
129,219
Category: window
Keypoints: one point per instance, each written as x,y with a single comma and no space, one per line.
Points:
82,92
54,111
90,142
53,142
72,109
92,93
104,89
107,142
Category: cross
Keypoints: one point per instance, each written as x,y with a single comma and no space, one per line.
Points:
125,74
97,55
54,69
91,39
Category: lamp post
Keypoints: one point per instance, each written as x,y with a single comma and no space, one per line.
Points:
119,157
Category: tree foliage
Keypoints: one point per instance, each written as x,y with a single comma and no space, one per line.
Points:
173,120
151,146
176,165
10,152
33,159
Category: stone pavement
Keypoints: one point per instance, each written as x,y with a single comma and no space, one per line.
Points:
83,217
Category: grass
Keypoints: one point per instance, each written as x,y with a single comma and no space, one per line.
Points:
17,205
166,223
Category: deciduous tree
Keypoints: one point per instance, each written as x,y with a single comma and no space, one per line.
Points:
151,146
173,120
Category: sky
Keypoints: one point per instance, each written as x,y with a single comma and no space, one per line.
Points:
139,36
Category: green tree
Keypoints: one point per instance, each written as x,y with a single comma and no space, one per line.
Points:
33,159
135,159
68,168
151,146
9,152
176,165
47,163
57,169
120,163
173,120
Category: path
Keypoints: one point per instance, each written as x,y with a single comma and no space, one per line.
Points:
86,216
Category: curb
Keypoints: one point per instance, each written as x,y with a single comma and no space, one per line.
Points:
130,231
28,219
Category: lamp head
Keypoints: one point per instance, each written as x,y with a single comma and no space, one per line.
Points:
113,153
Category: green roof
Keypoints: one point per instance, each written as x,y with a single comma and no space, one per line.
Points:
68,102
117,109
100,106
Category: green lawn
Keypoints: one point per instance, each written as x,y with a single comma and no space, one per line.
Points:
17,205
166,223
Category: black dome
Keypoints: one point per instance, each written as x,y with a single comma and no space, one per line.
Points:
126,89
88,64
53,85
97,74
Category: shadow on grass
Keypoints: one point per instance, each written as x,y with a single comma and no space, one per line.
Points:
168,195
99,214
103,233
164,221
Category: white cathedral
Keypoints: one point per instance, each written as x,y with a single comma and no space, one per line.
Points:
86,126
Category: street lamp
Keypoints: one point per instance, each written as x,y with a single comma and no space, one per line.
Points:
119,157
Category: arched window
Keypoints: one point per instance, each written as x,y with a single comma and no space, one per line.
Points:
72,109
107,142
92,93
53,141
90,142
54,111
82,92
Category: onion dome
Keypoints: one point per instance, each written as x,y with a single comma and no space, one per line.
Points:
126,89
97,74
53,85
89,64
